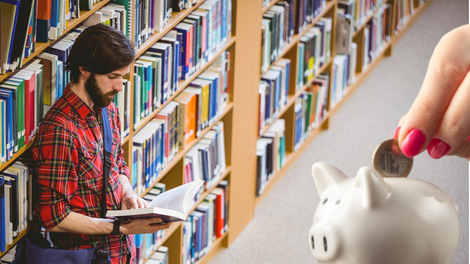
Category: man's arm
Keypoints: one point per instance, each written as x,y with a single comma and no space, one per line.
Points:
81,224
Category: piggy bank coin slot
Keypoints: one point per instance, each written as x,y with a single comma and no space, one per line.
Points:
324,201
325,244
389,161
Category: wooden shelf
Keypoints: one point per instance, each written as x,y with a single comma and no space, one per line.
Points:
18,238
212,249
183,84
296,37
360,77
183,152
169,232
16,155
176,18
363,25
290,158
41,46
271,4
292,98
416,14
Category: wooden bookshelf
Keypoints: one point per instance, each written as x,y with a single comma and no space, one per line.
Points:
291,99
295,39
16,156
363,25
182,85
218,243
10,246
170,231
271,4
289,114
41,46
290,159
176,18
180,155
360,77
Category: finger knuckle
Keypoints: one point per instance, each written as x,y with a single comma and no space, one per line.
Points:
451,69
457,129
428,110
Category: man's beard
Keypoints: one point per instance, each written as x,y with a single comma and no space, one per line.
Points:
96,94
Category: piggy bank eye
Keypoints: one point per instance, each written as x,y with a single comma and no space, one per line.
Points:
325,244
326,200
313,243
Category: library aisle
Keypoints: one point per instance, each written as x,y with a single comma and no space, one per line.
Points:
278,232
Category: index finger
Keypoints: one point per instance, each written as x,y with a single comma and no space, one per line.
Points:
448,67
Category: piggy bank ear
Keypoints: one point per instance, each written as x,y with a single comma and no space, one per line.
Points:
375,190
325,176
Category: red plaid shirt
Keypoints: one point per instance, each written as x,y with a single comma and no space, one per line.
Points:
68,151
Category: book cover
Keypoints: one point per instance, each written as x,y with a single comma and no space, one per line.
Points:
8,19
2,215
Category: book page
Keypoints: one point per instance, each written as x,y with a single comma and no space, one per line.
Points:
176,198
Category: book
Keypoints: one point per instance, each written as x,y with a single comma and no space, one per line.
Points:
172,205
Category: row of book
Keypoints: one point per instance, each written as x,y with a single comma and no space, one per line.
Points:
363,10
15,202
146,244
179,123
26,22
377,33
280,23
305,12
206,160
113,15
206,224
310,109
213,17
273,92
277,30
158,71
343,75
314,50
270,154
29,93
404,10
158,257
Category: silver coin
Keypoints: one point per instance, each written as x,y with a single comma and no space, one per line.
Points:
389,161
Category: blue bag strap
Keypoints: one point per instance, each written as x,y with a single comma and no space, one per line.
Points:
107,142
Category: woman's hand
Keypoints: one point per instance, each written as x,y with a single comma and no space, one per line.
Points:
439,119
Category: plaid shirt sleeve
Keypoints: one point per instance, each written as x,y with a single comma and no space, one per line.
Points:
55,157
120,162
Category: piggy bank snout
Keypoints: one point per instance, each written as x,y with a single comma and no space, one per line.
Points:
323,243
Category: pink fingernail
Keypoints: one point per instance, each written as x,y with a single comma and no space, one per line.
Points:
397,133
437,148
468,139
413,143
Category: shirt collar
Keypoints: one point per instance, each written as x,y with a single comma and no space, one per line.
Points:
81,107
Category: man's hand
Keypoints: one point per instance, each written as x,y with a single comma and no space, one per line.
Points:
143,226
130,200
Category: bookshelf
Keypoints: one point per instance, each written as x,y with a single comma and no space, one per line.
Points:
241,115
288,114
41,46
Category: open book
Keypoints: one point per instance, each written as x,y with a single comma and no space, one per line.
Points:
172,205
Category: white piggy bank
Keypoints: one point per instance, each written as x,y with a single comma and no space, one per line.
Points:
375,220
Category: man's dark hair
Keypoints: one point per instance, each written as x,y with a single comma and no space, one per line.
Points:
99,49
